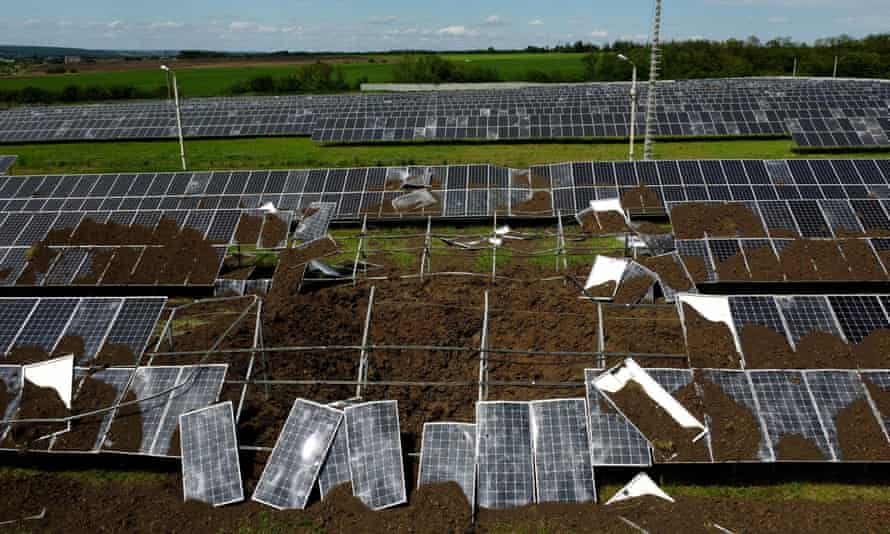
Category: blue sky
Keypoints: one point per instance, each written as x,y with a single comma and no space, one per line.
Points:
358,25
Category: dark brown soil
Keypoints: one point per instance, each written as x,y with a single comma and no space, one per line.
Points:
735,432
25,355
606,290
796,262
116,355
291,268
830,265
100,260
125,433
859,434
670,442
820,350
670,272
589,224
697,268
248,232
40,258
880,397
121,268
641,198
763,264
798,448
733,270
764,348
633,290
644,330
92,395
874,351
647,228
863,265
70,345
710,344
695,221
274,232
611,222
537,205
38,403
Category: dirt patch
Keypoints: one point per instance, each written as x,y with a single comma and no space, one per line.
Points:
880,397
697,268
670,272
735,432
670,441
796,262
859,435
92,395
125,433
606,291
733,269
604,223
40,258
763,264
25,355
874,351
70,345
38,403
292,266
540,203
820,350
644,330
633,290
696,221
641,199
764,348
862,263
274,232
121,268
99,260
248,232
116,355
710,344
798,448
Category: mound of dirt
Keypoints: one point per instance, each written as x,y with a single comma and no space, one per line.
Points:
710,344
670,272
859,435
696,221
795,447
735,432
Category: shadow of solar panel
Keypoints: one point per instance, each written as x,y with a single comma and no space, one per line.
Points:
297,457
211,472
375,454
787,410
448,454
504,456
563,471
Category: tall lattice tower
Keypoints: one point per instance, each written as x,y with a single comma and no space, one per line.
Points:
654,62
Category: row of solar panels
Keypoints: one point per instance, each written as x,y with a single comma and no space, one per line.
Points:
43,322
6,162
218,226
831,133
786,99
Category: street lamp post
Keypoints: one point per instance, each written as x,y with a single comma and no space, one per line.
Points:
170,72
633,103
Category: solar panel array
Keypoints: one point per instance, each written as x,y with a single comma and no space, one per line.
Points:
44,322
840,132
6,162
448,454
211,470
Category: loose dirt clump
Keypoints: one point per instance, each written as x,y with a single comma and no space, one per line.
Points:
40,258
274,232
641,199
697,268
670,272
611,223
733,269
859,435
125,433
633,290
763,264
91,396
121,268
38,403
540,203
735,432
764,348
820,350
710,344
696,221
795,447
670,441
796,262
26,355
70,345
873,352
248,232
292,266
644,330
605,291
115,354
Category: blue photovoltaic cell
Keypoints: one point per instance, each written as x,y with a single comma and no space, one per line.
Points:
562,456
448,454
504,455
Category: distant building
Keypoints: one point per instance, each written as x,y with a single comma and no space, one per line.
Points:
72,60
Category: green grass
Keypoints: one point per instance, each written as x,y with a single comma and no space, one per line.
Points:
215,81
300,152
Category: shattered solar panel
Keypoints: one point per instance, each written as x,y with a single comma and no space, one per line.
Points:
504,455
563,472
613,439
211,472
375,454
448,454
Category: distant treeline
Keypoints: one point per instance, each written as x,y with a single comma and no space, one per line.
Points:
76,93
314,78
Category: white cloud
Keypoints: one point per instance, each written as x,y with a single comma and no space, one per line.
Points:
536,22
599,34
457,31
495,20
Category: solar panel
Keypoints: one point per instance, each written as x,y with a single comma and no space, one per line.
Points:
12,381
448,454
833,391
45,325
6,162
211,472
91,323
760,311
375,454
335,470
735,384
297,457
13,315
880,379
135,323
562,455
806,315
316,225
197,387
858,315
787,409
504,455
613,439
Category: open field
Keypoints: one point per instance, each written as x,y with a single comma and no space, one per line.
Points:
215,79
281,153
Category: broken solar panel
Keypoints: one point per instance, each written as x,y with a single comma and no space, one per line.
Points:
563,472
448,454
806,315
163,394
117,379
833,392
881,381
614,441
211,472
11,377
315,226
375,454
735,384
135,323
788,411
504,456
297,457
858,315
756,311
335,470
